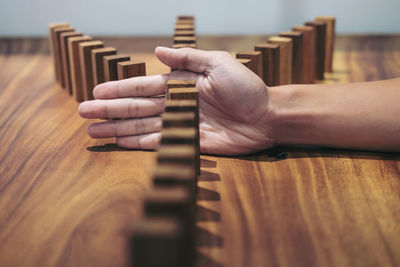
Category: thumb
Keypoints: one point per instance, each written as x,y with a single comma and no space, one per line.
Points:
185,58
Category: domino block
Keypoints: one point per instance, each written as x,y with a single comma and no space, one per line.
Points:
245,62
329,40
178,119
184,33
173,174
158,241
297,57
286,58
110,66
271,63
85,53
97,62
129,69
255,61
183,93
57,51
184,27
75,65
320,35
65,58
184,40
186,17
52,44
176,202
308,52
181,83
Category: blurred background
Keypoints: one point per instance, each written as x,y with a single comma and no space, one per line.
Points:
213,17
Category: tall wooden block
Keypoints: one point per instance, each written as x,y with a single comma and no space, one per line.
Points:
97,62
57,51
75,65
329,40
320,35
308,52
85,54
52,44
286,58
111,68
297,62
176,202
173,174
184,40
65,58
177,46
256,61
158,241
271,63
129,69
184,33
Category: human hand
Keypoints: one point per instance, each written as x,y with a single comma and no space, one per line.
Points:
233,104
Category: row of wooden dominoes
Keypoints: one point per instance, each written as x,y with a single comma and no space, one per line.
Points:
81,63
300,56
184,35
166,235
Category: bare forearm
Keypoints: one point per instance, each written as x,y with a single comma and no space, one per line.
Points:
357,115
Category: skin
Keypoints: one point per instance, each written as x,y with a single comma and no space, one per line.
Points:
239,114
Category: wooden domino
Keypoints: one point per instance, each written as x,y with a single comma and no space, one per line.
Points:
286,55
297,56
158,241
52,44
255,63
184,40
308,52
172,174
85,53
329,40
184,27
110,66
57,51
183,93
66,70
178,119
177,46
271,63
97,62
178,136
186,17
75,65
245,62
129,69
320,36
176,202
184,33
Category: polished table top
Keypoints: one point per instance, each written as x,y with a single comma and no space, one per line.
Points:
69,200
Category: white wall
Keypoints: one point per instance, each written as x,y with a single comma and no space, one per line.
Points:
155,17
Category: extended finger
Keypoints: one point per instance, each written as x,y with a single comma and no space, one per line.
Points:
137,86
186,58
122,108
128,127
145,141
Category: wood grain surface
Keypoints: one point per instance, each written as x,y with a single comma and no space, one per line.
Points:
69,200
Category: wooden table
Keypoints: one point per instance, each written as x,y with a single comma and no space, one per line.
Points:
69,200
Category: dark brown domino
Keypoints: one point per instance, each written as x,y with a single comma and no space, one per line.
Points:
130,69
52,44
184,33
97,62
65,58
271,60
256,61
308,52
329,40
57,51
85,54
110,66
157,241
175,173
184,40
286,57
75,65
320,30
297,63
